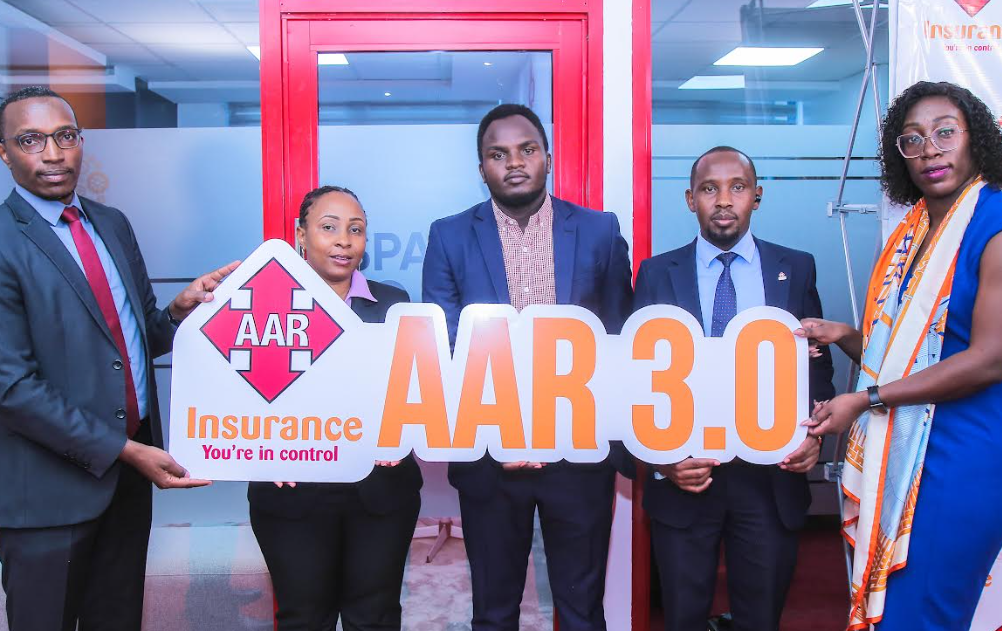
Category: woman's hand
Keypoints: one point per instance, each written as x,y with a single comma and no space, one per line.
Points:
291,485
837,415
387,463
824,332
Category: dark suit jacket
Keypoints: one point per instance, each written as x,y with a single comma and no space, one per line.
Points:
464,265
382,491
670,278
62,401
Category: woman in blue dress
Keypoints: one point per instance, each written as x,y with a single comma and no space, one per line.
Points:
922,476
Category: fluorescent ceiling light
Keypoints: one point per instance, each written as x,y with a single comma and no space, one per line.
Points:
323,59
822,4
762,56
714,82
332,59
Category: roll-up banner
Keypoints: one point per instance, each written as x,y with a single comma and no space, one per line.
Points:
958,41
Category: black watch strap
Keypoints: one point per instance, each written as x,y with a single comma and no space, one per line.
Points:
873,392
171,318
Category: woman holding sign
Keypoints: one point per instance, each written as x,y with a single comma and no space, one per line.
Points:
922,478
339,549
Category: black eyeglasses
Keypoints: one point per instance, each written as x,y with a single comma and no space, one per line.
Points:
34,142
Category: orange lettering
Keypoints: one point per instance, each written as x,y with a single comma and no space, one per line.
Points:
751,337
669,381
490,343
548,386
415,346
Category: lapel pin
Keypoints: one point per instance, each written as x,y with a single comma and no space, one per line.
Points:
782,276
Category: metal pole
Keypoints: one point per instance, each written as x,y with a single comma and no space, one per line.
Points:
869,74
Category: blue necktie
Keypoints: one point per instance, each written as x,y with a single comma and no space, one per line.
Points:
725,299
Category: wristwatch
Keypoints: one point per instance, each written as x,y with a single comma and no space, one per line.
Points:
171,318
876,405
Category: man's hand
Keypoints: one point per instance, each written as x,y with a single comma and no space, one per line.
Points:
199,291
804,457
291,485
516,466
692,474
157,466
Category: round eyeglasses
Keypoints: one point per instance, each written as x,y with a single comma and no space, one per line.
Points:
34,142
945,139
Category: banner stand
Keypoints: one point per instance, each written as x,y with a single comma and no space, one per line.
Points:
833,470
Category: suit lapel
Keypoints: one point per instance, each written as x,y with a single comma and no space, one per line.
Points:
776,272
41,234
490,245
564,239
683,279
364,309
118,256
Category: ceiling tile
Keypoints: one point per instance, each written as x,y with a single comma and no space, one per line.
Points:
127,53
53,12
699,32
679,61
191,35
140,11
159,72
215,63
232,10
730,10
247,33
94,34
662,10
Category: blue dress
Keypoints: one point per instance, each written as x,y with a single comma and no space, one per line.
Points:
957,531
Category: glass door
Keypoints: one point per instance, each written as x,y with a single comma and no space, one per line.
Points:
388,105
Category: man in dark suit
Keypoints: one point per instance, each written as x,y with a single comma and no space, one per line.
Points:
80,434
699,503
524,247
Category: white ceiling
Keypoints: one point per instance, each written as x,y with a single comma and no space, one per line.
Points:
195,50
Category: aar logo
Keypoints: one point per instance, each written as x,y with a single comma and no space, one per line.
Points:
972,7
280,341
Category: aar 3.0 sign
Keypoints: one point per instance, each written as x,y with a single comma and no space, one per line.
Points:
278,379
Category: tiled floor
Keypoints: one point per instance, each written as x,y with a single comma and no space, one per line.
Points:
213,578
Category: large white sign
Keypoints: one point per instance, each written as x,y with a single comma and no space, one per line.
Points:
959,41
278,379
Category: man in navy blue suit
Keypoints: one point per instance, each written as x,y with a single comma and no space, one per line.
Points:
523,247
699,503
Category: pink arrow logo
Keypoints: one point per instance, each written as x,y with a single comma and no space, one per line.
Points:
271,330
972,7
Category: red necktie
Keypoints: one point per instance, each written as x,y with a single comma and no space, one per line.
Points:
102,293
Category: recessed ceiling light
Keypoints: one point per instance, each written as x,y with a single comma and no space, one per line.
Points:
256,51
387,94
332,59
762,56
714,82
487,63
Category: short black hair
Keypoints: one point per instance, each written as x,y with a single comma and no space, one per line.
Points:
722,149
983,134
317,193
29,92
507,110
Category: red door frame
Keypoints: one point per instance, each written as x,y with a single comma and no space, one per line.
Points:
292,31
277,123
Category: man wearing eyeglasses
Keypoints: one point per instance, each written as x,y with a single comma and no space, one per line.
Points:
80,434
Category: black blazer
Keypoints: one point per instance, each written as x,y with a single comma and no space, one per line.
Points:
62,399
670,278
464,265
382,491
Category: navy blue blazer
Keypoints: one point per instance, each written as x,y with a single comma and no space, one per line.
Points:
383,491
670,278
464,265
62,387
